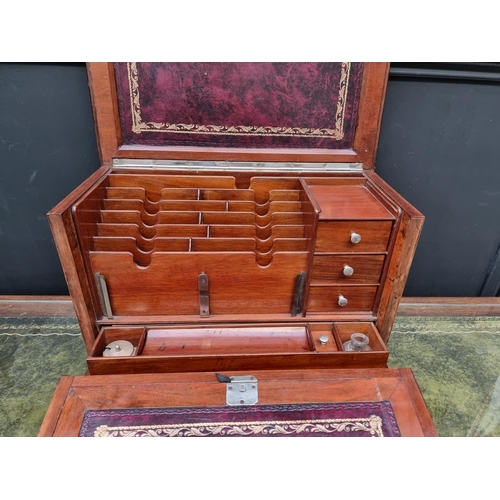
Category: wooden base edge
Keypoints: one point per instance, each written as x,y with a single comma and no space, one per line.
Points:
29,306
61,306
449,306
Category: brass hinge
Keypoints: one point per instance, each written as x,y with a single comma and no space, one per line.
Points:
238,166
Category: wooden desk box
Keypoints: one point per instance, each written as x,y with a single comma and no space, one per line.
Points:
236,224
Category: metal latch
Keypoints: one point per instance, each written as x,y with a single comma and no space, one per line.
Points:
240,390
298,293
104,295
204,296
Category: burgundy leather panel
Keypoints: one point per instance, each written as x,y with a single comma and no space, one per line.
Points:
299,105
374,419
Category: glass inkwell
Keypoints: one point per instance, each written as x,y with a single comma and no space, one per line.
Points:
358,342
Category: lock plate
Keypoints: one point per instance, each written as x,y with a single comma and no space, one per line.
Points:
242,391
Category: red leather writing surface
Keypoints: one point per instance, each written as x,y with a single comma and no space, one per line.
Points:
301,105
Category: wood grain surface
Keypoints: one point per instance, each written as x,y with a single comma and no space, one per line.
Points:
202,389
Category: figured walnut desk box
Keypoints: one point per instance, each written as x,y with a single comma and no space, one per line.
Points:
236,225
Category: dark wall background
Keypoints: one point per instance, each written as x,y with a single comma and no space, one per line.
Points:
439,147
47,148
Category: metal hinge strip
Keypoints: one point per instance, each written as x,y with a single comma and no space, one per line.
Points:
238,166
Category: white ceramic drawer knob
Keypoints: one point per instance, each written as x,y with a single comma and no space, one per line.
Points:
323,339
342,301
348,270
355,238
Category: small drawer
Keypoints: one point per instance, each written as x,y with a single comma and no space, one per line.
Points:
352,269
353,236
341,299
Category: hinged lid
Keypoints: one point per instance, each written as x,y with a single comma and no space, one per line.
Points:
239,112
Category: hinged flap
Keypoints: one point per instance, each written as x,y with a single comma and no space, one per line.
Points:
300,112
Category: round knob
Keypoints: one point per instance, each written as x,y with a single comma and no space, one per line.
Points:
355,238
348,270
323,339
342,301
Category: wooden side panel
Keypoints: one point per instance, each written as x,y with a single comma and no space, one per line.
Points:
419,405
66,240
55,407
409,230
105,108
370,112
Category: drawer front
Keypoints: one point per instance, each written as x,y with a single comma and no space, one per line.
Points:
347,269
329,298
336,236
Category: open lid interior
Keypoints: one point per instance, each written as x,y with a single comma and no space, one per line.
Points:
277,112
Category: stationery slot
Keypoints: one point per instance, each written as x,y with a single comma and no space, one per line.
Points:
131,230
290,245
180,194
144,232
140,251
282,221
174,217
133,193
232,231
123,244
193,205
122,217
225,340
154,184
241,206
263,185
222,245
137,205
266,259
179,226
279,232
182,230
277,215
284,195
228,218
227,194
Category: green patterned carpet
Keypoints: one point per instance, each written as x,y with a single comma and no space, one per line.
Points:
456,362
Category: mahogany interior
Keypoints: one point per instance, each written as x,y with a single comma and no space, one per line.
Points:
247,234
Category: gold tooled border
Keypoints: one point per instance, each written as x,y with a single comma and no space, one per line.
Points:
139,126
373,425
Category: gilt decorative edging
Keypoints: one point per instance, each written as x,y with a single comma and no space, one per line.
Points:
372,425
139,126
